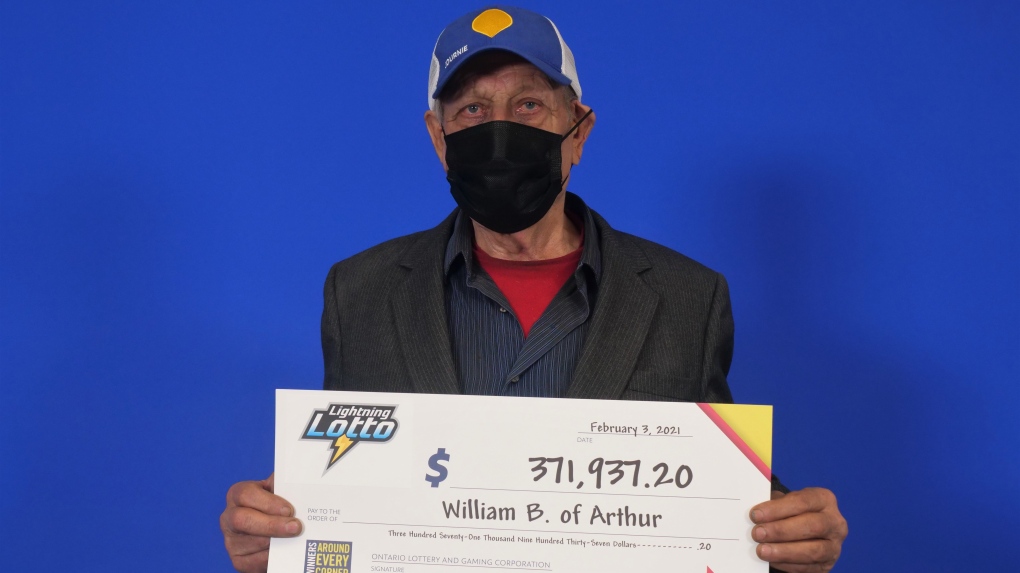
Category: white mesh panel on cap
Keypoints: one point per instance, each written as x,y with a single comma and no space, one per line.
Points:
433,75
433,80
568,67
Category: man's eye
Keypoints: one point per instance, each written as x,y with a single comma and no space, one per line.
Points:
472,109
530,106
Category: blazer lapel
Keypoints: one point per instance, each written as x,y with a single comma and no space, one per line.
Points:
419,312
623,313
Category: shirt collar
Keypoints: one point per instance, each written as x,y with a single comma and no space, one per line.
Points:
462,240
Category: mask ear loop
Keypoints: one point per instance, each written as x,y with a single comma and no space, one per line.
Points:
576,125
566,135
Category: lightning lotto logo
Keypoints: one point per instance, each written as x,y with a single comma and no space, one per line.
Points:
347,424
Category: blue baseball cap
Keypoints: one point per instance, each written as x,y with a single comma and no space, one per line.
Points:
529,35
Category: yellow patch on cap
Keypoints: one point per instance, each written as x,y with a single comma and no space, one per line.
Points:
491,22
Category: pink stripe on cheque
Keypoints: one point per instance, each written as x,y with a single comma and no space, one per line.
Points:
737,440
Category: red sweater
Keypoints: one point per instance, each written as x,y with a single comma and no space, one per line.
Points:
529,286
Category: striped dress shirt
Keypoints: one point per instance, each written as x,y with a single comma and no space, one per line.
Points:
491,354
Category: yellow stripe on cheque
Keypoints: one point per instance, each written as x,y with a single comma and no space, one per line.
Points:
753,424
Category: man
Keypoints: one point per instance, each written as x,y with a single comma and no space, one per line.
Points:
524,290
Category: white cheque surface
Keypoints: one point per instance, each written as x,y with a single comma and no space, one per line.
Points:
421,483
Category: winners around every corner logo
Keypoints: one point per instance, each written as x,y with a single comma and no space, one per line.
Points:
346,425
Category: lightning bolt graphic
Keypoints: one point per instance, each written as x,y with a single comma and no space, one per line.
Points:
341,445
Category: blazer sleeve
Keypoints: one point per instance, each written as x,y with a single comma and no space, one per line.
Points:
332,357
718,345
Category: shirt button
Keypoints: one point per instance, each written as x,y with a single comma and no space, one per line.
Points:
515,379
501,309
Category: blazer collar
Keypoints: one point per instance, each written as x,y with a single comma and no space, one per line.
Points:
419,312
623,313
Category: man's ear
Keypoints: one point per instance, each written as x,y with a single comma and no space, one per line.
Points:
435,128
580,134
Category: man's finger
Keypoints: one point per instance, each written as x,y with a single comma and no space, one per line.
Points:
794,503
812,525
821,551
254,495
247,521
253,562
239,545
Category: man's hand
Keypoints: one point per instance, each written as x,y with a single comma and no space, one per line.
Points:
253,515
799,532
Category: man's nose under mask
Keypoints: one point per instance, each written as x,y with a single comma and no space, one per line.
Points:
505,175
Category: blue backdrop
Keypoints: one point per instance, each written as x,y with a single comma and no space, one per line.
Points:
176,179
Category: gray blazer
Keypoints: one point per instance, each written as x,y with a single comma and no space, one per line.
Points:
661,330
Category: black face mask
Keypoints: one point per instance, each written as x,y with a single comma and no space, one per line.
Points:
505,175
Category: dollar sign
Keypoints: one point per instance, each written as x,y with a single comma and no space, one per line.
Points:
434,465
